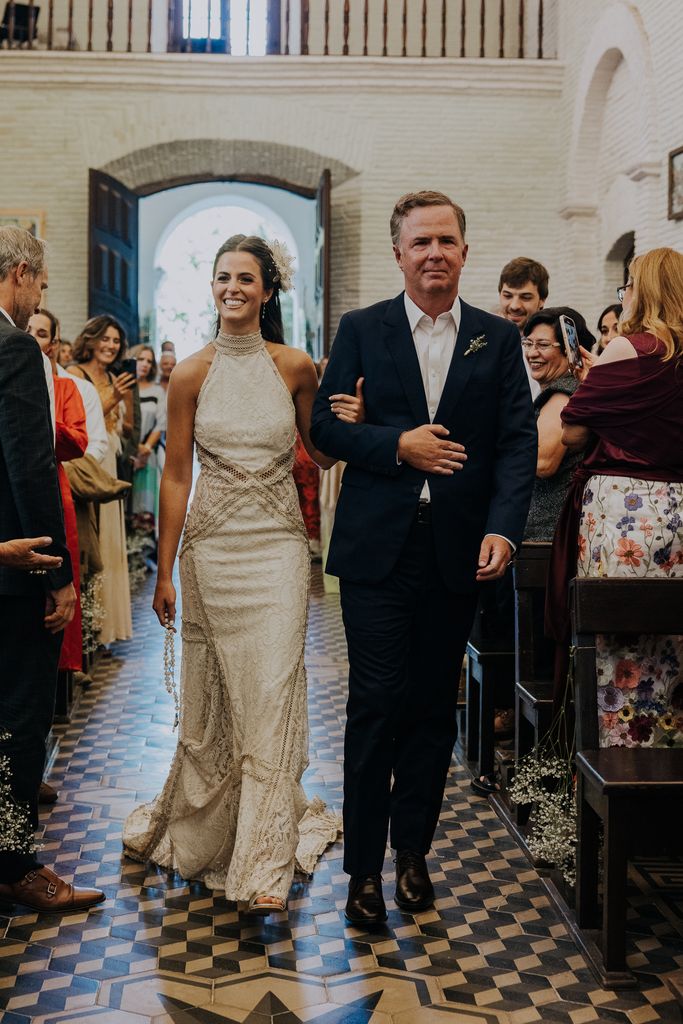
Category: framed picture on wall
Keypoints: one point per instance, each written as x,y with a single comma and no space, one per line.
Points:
31,220
676,184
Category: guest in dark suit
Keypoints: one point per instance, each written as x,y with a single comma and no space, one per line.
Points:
434,498
37,604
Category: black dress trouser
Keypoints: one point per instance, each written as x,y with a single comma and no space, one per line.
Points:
406,638
29,657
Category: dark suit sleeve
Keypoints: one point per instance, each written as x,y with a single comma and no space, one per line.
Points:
366,445
514,469
27,450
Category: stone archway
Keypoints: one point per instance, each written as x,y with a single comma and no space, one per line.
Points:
618,46
184,161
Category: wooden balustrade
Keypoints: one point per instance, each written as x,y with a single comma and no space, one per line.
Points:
373,28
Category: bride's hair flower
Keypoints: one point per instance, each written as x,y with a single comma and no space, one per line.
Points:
284,264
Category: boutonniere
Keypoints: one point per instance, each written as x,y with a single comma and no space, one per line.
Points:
476,344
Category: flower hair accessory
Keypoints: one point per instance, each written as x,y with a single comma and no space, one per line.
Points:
284,264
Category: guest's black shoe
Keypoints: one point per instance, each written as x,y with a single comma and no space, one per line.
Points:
414,889
365,904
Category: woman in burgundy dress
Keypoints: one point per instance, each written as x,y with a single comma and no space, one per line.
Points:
624,514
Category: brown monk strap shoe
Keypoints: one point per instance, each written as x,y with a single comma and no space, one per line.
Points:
44,891
47,794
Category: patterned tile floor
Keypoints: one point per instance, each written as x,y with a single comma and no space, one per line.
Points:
492,951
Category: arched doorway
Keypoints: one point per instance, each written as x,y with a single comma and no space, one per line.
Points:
179,232
117,188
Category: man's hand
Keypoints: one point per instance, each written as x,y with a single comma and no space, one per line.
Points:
350,408
20,554
494,557
60,608
425,448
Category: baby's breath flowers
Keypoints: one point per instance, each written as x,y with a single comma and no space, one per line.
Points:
545,779
16,834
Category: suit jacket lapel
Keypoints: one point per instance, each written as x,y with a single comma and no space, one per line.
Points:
399,340
461,368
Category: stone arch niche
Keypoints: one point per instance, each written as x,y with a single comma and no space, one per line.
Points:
599,212
185,161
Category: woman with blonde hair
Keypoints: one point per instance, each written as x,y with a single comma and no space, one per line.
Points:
624,513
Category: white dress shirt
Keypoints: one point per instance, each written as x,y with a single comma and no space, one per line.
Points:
435,342
435,345
94,417
47,367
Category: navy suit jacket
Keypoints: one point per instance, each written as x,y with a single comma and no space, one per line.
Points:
486,406
30,500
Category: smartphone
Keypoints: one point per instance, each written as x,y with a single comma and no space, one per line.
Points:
128,366
571,342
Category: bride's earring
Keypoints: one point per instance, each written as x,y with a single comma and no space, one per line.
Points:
263,311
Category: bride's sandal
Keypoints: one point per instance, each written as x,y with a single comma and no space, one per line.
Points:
264,904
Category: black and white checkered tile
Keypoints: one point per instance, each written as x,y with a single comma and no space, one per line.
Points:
493,950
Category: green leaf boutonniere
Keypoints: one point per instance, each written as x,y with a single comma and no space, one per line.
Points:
475,344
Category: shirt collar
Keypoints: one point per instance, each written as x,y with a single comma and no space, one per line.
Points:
5,313
415,314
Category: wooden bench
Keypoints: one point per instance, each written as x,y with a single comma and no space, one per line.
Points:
632,791
534,655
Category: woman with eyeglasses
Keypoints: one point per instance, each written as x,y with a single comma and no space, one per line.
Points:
624,514
544,351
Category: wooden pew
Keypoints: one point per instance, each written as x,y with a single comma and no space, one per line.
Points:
618,786
534,655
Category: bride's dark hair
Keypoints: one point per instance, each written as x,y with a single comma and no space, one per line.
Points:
271,319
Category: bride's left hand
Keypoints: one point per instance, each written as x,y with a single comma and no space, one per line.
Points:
350,408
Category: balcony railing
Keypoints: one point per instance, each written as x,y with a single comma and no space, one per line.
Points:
362,28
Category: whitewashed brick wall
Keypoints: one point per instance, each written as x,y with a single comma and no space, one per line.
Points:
500,136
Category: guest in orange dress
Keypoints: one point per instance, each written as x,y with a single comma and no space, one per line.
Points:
307,479
71,440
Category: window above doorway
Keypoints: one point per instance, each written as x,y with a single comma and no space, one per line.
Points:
239,27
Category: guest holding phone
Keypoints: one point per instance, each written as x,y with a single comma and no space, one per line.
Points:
100,345
548,352
622,517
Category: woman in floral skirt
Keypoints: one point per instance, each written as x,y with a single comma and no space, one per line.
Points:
625,512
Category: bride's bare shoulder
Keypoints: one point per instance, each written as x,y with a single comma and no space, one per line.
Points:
190,372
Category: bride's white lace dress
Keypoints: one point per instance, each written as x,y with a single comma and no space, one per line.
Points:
232,812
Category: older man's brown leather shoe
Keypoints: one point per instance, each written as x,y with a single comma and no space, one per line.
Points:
44,891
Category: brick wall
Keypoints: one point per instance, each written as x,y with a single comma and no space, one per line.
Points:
556,160
460,126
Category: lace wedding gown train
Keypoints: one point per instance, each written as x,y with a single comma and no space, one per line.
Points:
232,812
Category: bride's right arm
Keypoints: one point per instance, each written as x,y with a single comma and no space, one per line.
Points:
176,480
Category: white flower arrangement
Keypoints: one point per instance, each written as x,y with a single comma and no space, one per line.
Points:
92,612
16,834
545,779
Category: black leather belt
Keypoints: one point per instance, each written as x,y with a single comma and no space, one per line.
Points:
424,512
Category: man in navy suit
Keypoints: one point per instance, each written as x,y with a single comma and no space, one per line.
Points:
434,499
37,598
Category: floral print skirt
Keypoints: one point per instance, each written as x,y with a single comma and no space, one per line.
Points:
634,528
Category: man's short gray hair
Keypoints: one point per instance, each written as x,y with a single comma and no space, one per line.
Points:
17,245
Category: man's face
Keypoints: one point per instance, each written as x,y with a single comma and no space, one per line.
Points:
28,293
431,252
166,364
517,304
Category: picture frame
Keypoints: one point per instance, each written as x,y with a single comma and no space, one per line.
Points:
676,184
31,220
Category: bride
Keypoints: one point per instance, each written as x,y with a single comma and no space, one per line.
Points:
232,812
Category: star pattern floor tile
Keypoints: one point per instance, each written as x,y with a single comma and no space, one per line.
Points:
165,950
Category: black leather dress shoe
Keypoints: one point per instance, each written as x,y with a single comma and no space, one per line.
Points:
365,904
414,889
